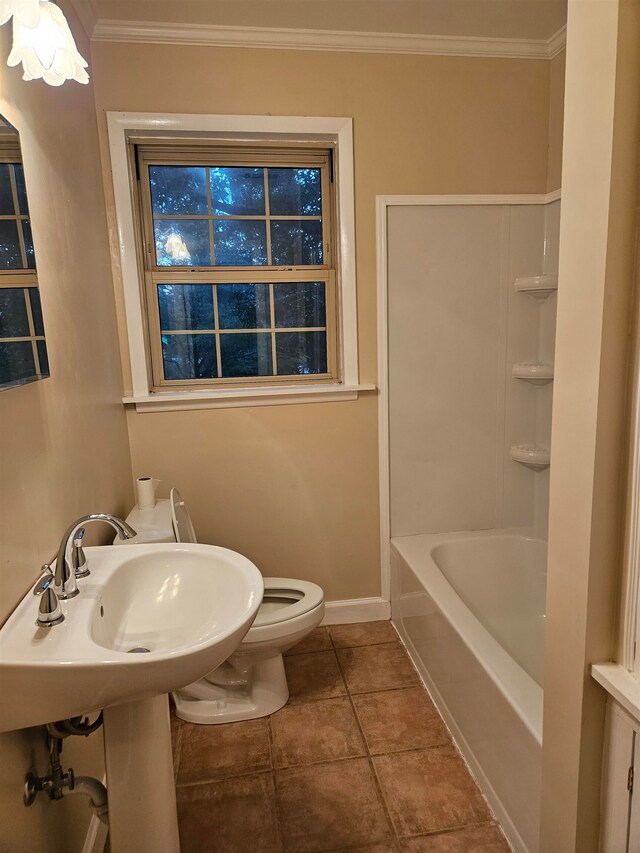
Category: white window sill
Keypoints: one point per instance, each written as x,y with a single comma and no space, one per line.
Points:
225,398
620,684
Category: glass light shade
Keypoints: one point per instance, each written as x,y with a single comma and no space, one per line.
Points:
47,51
26,11
177,248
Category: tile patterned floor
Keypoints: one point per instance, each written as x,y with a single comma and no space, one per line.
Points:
358,760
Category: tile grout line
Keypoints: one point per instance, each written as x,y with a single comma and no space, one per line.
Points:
222,779
368,756
449,830
341,696
366,753
452,739
276,807
178,753
297,702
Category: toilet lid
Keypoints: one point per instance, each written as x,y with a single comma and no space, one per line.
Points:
180,518
285,598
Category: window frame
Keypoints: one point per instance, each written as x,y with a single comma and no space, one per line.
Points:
208,154
283,131
25,278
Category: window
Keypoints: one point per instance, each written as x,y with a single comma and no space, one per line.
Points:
239,263
286,139
23,351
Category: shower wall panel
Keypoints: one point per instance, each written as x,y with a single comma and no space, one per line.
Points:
456,327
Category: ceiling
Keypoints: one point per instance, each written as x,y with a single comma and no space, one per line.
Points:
508,19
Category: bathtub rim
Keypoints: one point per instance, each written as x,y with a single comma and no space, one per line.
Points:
522,692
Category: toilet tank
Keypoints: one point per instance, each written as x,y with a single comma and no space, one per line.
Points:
151,525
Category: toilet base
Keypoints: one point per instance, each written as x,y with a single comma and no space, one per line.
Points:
265,692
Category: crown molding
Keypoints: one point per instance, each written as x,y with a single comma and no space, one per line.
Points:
558,41
212,35
85,14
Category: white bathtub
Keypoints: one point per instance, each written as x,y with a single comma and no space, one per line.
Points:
470,608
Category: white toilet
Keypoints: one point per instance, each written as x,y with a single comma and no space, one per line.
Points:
252,682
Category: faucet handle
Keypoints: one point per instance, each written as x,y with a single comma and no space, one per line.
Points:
78,557
44,581
49,611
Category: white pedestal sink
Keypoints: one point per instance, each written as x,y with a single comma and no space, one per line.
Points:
188,606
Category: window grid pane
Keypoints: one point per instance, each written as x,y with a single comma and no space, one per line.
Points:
189,356
23,353
216,321
178,190
16,362
246,181
236,248
272,307
240,242
14,319
21,188
21,323
267,207
295,192
246,355
174,242
302,352
214,262
185,306
283,334
20,257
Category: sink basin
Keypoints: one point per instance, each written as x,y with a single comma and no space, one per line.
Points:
148,620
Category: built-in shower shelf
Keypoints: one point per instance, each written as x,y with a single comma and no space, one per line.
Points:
536,372
538,286
532,455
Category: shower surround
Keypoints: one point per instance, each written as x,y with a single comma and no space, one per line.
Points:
467,302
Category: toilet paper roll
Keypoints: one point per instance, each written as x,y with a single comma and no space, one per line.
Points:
146,490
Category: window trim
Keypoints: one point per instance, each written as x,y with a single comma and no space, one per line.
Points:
125,127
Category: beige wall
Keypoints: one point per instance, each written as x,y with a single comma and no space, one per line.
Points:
556,117
598,226
64,448
297,487
484,18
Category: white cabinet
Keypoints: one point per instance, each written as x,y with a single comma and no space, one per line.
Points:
620,825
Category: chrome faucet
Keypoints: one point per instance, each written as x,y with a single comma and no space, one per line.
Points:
65,585
51,588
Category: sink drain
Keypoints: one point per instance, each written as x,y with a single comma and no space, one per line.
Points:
137,650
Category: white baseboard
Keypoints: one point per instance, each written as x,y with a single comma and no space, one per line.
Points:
356,610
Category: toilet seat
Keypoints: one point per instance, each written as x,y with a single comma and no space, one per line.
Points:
286,599
180,518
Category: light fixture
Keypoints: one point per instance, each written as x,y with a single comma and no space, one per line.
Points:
27,11
177,248
47,49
